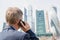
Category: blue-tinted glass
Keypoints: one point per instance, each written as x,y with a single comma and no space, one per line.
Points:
40,22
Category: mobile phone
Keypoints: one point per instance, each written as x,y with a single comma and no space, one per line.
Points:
21,24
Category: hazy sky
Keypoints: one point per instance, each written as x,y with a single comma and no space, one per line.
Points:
36,4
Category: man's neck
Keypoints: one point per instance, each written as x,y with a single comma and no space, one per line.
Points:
16,27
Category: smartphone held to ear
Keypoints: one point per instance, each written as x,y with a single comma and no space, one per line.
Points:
21,24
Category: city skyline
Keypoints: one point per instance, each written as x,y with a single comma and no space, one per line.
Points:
36,4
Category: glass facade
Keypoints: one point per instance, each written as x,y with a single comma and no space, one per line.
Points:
28,16
54,21
40,22
53,25
4,24
25,14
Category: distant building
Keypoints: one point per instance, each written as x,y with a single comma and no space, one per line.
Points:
28,16
40,22
47,23
4,24
25,14
54,22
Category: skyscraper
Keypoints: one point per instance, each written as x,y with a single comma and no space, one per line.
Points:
47,23
54,22
25,14
40,22
28,16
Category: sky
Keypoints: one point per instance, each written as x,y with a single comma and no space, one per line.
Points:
36,4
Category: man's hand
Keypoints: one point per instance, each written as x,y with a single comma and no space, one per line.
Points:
25,27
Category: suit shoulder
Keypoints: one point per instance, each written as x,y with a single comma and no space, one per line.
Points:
19,33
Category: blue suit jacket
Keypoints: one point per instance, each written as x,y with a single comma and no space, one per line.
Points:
9,33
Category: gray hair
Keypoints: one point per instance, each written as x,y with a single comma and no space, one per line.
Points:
13,14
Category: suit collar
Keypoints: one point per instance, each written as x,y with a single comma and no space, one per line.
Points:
8,27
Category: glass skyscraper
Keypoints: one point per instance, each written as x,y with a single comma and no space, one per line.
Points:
28,16
40,22
25,14
54,22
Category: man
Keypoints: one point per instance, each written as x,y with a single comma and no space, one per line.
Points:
14,21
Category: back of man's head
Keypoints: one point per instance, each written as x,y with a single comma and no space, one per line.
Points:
13,14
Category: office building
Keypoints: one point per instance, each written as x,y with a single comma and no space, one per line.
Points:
40,22
28,16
